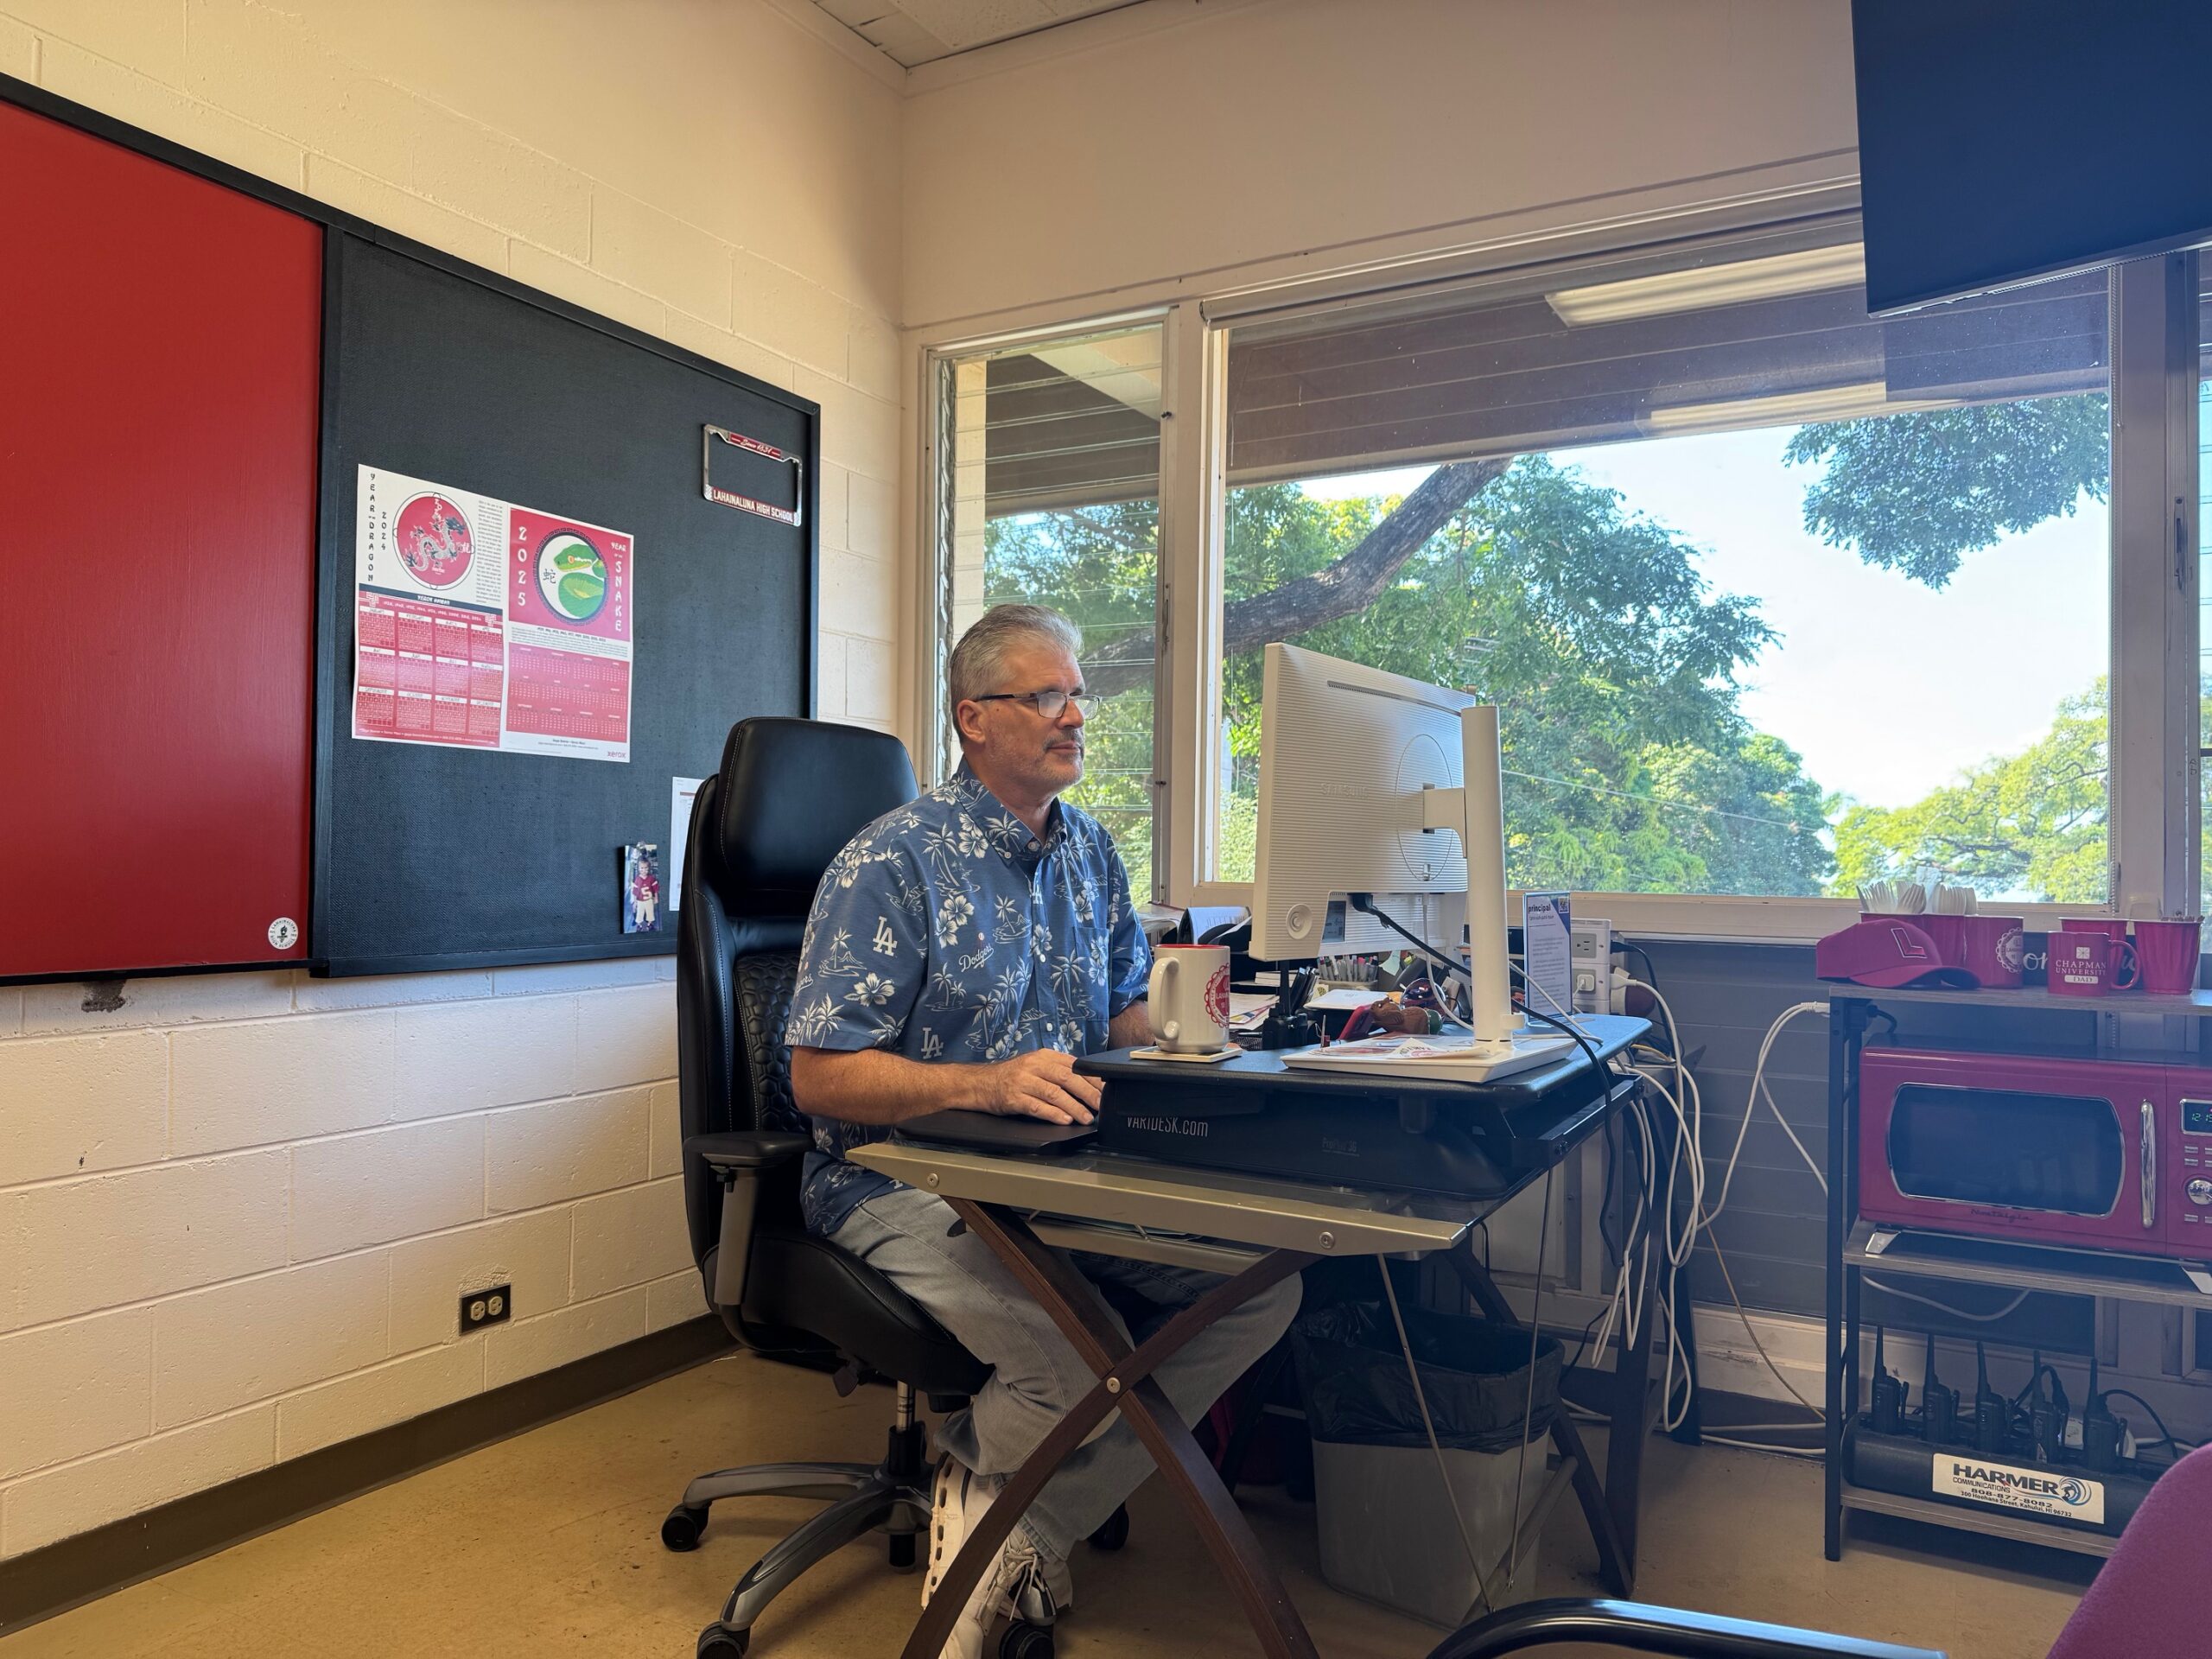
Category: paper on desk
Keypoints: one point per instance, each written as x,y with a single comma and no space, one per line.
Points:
1343,999
1246,1009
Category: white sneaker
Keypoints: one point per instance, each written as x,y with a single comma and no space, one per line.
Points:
1019,1582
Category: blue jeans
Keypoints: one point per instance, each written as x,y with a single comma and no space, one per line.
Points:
908,1235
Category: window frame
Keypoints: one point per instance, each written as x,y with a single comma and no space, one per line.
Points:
2153,828
931,746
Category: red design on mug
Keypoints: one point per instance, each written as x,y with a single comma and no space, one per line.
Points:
1218,996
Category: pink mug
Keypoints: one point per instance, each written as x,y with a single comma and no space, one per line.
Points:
2088,964
1991,949
1948,929
2166,954
2126,973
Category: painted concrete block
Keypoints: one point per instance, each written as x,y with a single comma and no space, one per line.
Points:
69,1105
352,1191
217,1350
565,1148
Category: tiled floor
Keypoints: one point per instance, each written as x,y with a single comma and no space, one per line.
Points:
549,1543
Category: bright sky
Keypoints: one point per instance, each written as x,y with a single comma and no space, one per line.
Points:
1887,687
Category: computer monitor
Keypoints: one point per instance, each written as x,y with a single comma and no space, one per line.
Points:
1346,753
1372,783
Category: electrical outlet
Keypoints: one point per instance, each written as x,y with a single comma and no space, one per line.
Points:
1590,952
481,1307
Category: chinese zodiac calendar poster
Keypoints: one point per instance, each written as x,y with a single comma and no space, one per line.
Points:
568,638
482,624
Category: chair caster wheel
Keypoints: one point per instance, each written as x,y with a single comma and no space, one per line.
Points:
1114,1531
715,1642
682,1530
903,1557
1025,1641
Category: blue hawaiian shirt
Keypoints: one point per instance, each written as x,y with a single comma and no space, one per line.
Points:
946,930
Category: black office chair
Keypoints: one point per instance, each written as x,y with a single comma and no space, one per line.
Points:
789,795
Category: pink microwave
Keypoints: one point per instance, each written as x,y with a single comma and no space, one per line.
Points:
2107,1154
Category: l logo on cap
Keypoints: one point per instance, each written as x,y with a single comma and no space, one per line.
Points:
1908,947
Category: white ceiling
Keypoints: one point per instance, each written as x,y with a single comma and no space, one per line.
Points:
912,32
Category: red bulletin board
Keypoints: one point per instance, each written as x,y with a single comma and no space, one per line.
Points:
158,415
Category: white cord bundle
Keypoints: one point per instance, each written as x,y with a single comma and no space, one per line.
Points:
1682,1238
1680,1230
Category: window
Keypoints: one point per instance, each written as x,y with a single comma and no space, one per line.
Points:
1048,492
1777,599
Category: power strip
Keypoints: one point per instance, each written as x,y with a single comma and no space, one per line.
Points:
1590,955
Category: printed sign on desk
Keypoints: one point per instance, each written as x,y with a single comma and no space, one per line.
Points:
1547,932
480,624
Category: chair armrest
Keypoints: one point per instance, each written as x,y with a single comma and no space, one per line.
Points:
748,1150
739,1158
1639,1627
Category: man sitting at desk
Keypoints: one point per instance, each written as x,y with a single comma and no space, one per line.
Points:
961,952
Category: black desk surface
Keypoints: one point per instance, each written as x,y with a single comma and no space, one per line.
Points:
1254,1114
1609,1033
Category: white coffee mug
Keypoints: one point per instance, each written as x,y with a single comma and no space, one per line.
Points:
1190,998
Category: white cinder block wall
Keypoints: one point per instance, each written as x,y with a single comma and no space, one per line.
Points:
236,1212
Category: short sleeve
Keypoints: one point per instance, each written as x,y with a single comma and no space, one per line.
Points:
1128,953
862,964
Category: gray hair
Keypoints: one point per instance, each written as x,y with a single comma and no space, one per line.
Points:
979,660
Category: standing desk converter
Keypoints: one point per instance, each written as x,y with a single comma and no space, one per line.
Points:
1258,1230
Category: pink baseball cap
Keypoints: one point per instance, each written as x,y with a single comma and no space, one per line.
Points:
1887,953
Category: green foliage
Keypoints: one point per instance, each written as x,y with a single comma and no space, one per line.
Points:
2029,823
1914,491
1628,766
1097,565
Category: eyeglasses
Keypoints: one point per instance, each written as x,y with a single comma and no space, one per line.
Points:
1051,704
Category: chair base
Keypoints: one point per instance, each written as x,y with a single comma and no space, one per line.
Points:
891,1496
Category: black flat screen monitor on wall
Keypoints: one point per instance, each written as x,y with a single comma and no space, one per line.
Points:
2004,140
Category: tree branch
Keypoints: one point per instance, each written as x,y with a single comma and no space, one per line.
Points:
1349,585
1075,518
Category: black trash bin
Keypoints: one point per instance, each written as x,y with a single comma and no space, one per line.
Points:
1385,1526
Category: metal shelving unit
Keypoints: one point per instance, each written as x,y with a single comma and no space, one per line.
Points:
2154,1279
1856,1247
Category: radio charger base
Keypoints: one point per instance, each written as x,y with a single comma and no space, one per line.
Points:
2064,1495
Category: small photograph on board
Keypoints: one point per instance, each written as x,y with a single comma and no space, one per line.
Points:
641,888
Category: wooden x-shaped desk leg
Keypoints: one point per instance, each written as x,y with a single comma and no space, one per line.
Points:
1125,1381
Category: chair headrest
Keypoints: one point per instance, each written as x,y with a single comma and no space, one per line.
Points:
790,795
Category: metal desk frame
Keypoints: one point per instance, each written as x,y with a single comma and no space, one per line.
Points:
1023,1207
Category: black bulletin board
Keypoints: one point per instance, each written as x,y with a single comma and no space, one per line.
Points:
430,857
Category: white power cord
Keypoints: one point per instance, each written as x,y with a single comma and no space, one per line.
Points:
2005,1312
1760,1091
1436,1445
1685,1100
